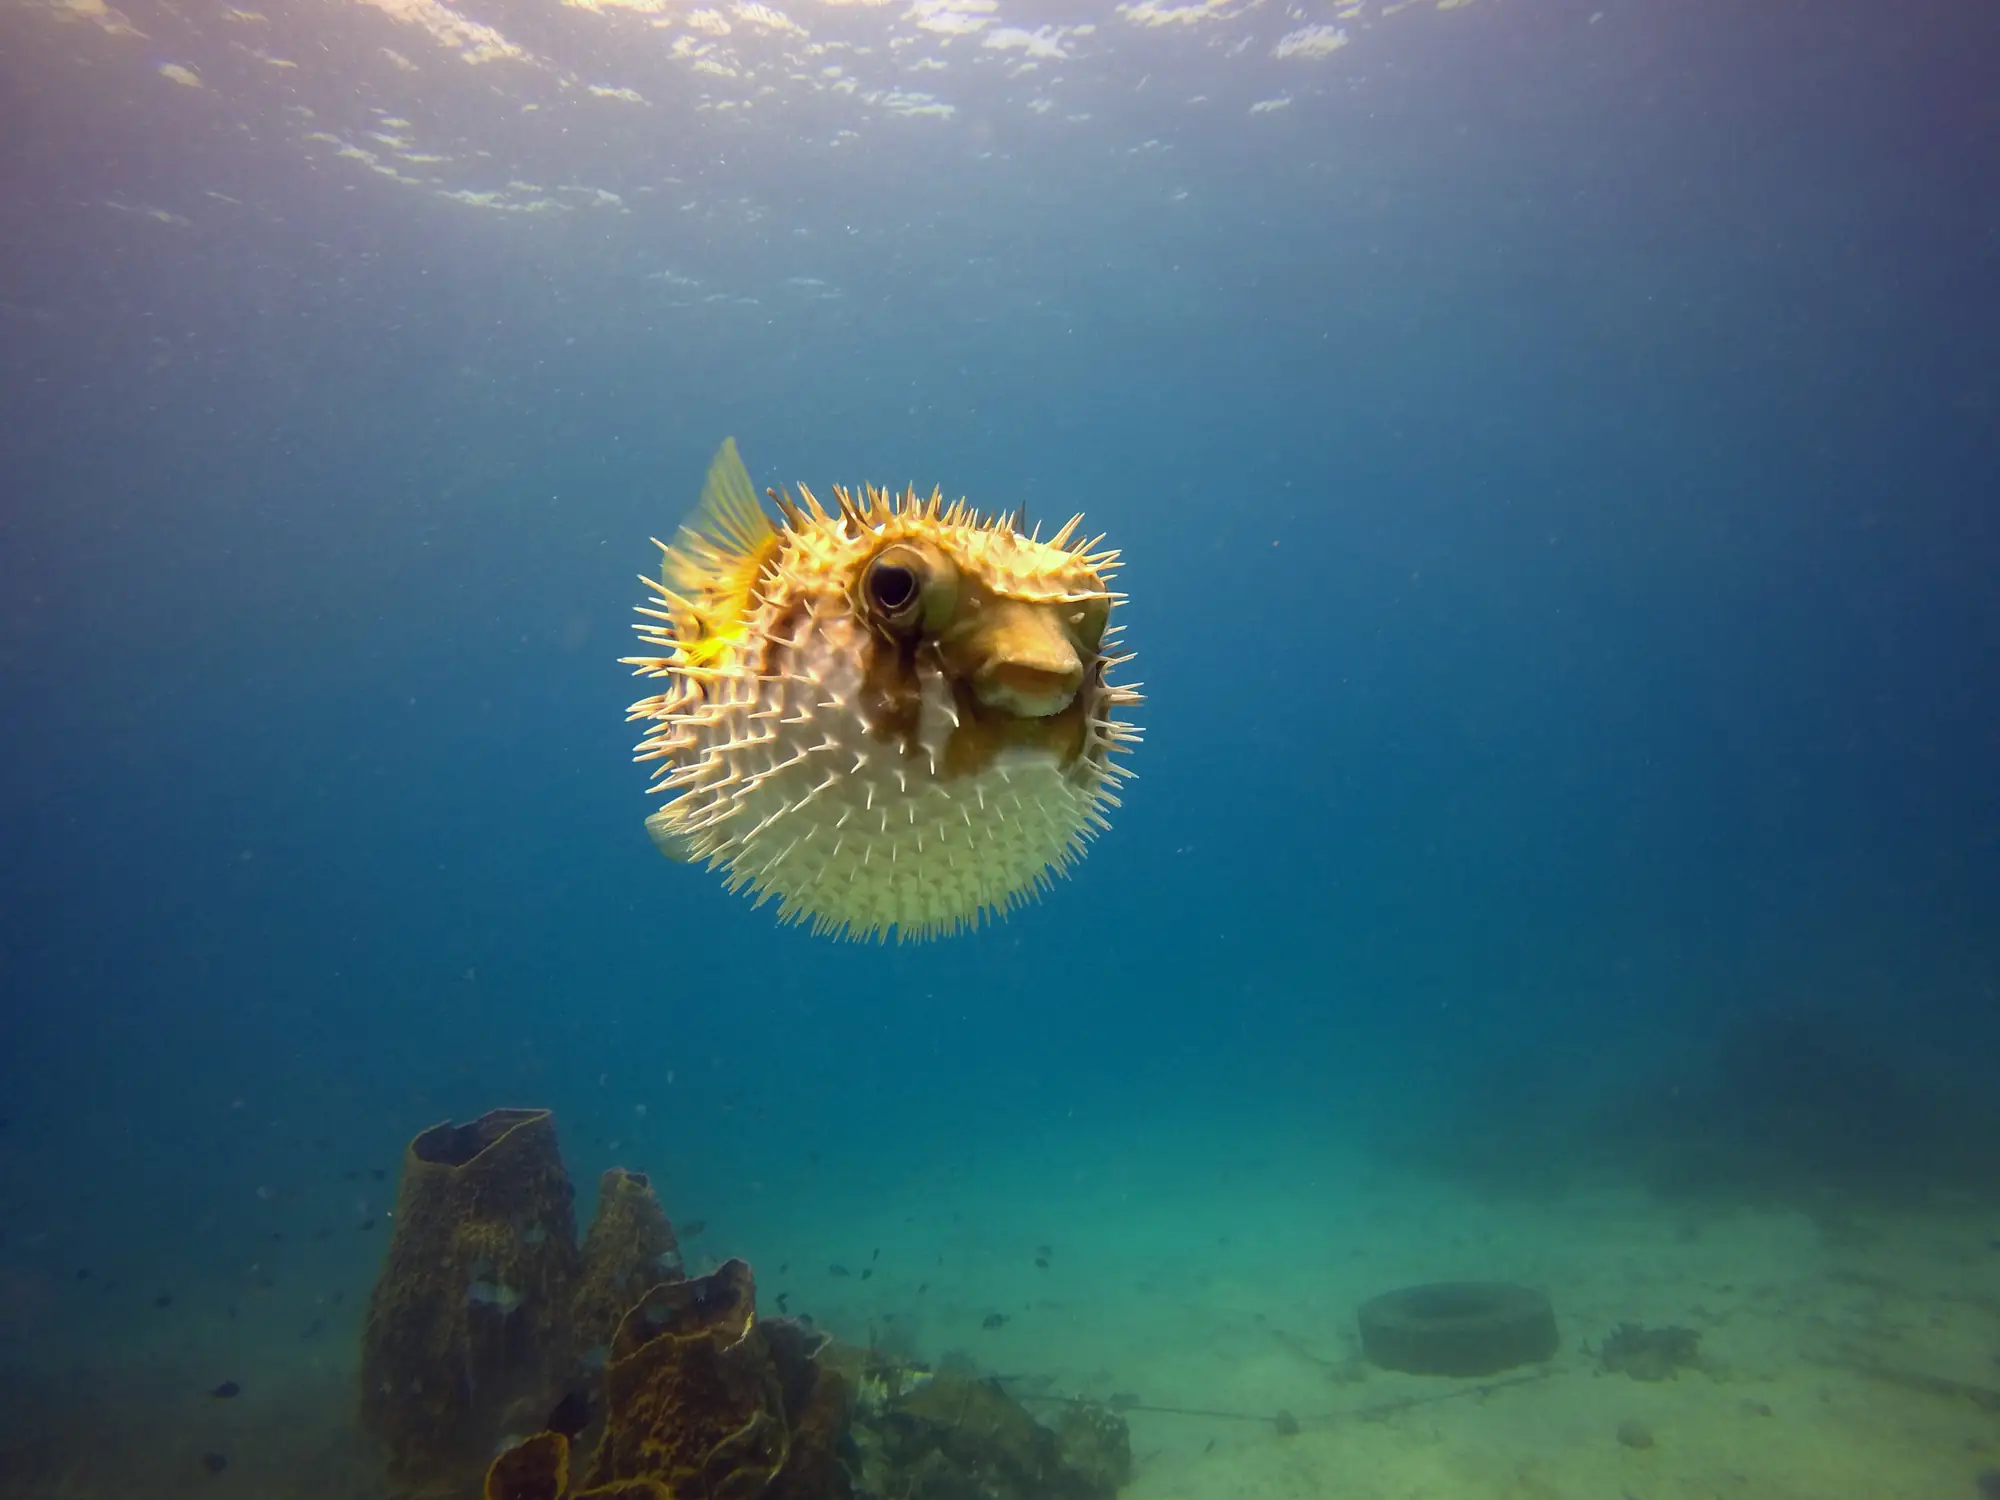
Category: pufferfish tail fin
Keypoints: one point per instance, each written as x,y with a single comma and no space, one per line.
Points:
714,564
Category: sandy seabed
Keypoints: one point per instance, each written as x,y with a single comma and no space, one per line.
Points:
1206,1286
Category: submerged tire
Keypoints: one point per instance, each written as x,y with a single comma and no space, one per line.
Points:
1458,1328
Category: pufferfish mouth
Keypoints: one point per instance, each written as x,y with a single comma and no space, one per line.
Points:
1029,690
1023,662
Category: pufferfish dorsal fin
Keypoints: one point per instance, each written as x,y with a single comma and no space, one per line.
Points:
716,560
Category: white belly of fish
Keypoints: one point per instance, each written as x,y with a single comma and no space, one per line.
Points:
793,798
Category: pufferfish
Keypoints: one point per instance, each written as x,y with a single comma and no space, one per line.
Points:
889,715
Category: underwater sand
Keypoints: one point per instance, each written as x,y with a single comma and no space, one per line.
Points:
1843,1357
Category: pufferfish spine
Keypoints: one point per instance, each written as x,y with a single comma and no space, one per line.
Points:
894,715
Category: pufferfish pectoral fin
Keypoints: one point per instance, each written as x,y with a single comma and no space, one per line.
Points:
668,839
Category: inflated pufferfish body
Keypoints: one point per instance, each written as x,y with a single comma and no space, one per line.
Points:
893,714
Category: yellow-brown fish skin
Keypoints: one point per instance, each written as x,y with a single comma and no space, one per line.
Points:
893,715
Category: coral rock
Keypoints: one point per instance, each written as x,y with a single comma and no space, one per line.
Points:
958,1438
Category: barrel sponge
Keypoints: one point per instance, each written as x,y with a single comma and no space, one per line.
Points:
692,1397
819,1410
630,1248
538,1469
468,1329
702,1397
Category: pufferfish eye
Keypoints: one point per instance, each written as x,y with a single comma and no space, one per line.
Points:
891,587
910,586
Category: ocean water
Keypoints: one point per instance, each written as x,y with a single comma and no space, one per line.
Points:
1555,449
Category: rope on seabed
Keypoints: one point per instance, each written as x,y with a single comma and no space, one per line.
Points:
1370,1413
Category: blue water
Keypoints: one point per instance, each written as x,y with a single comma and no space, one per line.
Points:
1554,454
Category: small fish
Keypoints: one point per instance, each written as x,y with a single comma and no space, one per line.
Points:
782,1296
165,1299
571,1416
215,1463
838,1270
993,1320
1042,1261
866,1272
1286,1423
229,1390
83,1273
693,1228
377,1173
875,1255
352,1174
1123,1400
922,1287
313,1329
1046,1252
366,1225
